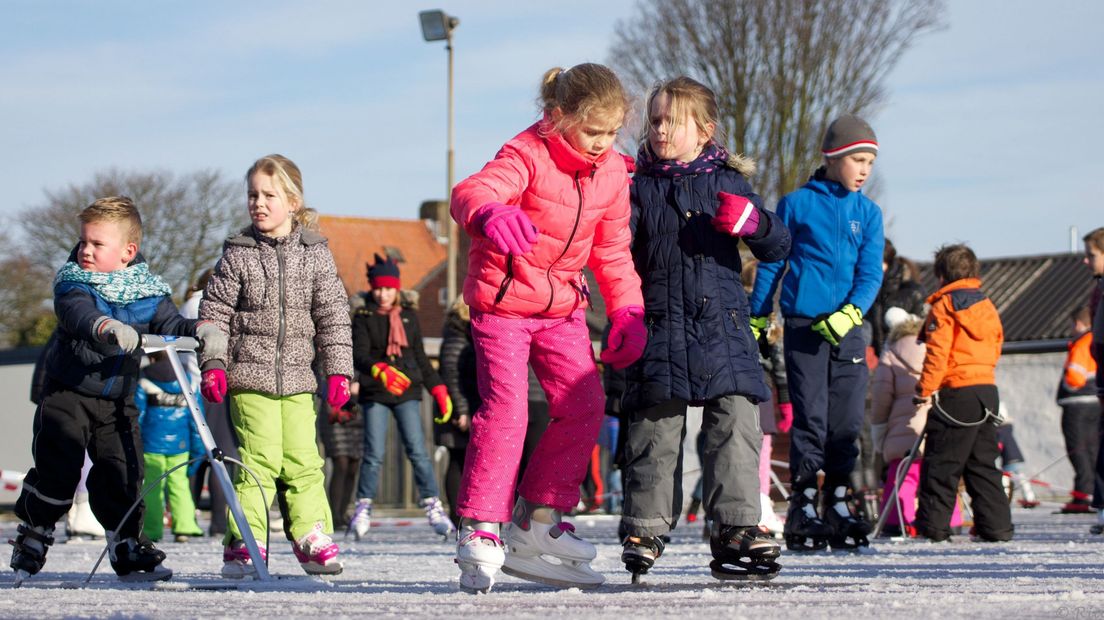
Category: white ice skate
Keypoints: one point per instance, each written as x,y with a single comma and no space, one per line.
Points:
80,523
362,519
548,553
438,518
479,554
769,518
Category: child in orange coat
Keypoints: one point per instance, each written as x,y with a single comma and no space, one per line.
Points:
963,334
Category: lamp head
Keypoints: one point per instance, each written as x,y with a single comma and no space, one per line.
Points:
437,25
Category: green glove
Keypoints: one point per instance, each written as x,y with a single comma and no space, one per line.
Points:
836,325
759,324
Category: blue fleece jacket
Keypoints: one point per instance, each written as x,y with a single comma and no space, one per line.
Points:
836,258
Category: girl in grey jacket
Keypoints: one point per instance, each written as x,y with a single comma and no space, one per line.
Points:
276,293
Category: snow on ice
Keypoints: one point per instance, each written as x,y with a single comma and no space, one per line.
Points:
1053,569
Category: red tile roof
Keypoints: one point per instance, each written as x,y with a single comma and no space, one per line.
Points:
353,241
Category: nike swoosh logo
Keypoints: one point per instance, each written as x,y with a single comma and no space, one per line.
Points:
856,360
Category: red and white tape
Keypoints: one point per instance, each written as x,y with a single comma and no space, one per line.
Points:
11,480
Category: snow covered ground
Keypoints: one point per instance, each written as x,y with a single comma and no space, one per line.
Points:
1054,568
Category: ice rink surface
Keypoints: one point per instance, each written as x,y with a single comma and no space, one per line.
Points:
1053,569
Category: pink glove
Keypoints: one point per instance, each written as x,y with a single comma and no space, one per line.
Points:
337,391
627,337
213,387
786,423
507,227
736,215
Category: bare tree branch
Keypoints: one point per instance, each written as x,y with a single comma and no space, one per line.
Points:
781,69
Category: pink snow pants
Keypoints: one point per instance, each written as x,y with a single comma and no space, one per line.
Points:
908,494
563,360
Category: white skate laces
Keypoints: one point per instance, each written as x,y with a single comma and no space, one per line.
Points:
810,504
479,554
839,503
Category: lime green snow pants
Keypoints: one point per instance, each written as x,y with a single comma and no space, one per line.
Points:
179,494
277,436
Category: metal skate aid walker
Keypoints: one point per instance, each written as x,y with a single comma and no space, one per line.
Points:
172,345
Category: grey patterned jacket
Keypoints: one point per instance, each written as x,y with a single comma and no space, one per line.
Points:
279,300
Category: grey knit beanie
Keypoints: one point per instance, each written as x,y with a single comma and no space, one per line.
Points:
849,134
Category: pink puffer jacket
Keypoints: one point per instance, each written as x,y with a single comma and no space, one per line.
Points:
580,208
892,389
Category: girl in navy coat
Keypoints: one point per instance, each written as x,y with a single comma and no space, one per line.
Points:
691,207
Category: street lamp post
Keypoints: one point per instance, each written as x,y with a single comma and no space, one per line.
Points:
438,26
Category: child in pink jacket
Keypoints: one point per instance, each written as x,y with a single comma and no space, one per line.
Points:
895,421
554,200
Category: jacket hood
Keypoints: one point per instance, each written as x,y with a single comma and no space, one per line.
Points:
905,347
250,237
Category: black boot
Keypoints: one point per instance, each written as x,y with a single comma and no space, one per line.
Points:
640,553
849,528
137,559
29,549
744,553
804,530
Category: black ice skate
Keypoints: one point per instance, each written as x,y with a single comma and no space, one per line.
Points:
138,560
640,553
849,530
804,530
29,550
743,553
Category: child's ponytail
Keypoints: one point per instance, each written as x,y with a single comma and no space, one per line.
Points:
580,92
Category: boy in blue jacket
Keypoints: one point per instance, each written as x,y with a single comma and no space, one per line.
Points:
829,282
104,297
170,438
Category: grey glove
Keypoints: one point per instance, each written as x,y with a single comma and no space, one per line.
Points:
111,331
213,342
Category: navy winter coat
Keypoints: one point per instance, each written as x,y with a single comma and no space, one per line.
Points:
97,369
699,344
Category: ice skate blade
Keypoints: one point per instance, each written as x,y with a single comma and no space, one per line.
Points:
20,577
805,544
159,573
552,571
744,571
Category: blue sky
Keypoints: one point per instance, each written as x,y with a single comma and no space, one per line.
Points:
991,134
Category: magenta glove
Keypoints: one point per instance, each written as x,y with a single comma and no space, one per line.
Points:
786,423
507,227
627,337
736,215
337,391
214,385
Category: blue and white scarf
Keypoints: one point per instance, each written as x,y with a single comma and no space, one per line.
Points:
117,287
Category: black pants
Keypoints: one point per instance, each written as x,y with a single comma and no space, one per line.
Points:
1081,429
65,425
953,451
828,391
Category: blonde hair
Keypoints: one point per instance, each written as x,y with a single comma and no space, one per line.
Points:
289,177
116,209
1095,238
687,96
585,91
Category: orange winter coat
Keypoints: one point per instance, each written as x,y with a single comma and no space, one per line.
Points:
964,335
1079,375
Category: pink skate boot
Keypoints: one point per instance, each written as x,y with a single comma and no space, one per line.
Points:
317,553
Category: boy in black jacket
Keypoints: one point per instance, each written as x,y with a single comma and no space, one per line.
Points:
104,297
